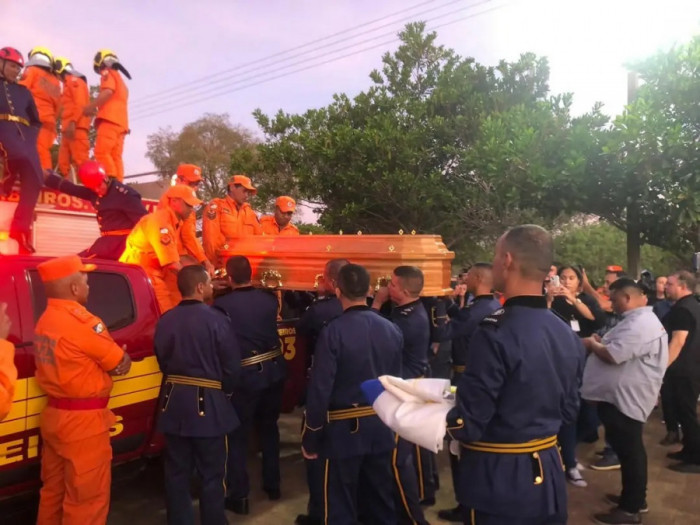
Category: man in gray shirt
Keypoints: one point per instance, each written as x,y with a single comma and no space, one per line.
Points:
623,375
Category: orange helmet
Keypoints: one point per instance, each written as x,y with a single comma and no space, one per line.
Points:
92,174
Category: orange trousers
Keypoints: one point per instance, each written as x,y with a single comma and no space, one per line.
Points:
109,146
165,288
76,479
73,152
46,138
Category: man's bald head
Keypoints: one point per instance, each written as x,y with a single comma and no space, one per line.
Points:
71,288
524,256
479,279
330,274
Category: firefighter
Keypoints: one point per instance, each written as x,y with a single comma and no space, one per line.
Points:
75,144
118,207
187,242
45,87
281,222
19,127
75,357
152,244
228,218
8,372
110,108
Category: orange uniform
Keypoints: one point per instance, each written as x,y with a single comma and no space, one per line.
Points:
73,352
270,227
187,241
222,221
46,90
112,124
75,97
8,377
152,244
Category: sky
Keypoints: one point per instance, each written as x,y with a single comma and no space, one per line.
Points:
167,43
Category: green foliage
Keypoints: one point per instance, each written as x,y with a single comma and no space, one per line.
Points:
438,143
596,246
313,229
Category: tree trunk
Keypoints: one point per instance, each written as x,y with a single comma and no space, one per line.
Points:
633,240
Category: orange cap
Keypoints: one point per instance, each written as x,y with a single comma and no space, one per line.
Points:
61,267
187,194
189,172
285,203
243,181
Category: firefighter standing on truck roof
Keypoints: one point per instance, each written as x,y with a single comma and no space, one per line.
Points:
19,127
281,222
110,108
118,207
153,243
8,372
75,144
75,357
187,242
39,78
228,218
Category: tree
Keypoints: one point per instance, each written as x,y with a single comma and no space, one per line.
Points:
646,179
208,142
438,143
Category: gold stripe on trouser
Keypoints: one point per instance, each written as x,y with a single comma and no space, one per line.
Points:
512,448
394,466
460,369
421,481
325,495
225,463
256,359
193,381
350,413
473,516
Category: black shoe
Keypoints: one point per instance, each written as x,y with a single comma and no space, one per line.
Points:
305,519
671,438
427,502
686,468
678,456
455,515
237,505
273,494
607,462
617,517
615,500
22,238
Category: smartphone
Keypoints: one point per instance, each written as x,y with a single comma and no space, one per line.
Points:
554,281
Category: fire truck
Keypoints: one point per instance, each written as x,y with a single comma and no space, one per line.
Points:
122,296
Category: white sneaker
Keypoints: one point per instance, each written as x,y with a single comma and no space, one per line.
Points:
579,466
574,477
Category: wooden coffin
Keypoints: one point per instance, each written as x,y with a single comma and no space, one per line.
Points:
296,262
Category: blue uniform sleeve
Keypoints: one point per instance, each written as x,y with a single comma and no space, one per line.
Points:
319,391
133,205
161,346
229,354
65,186
478,388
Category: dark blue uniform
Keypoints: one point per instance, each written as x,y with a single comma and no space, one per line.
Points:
414,467
320,313
19,128
354,444
258,395
118,211
523,371
198,354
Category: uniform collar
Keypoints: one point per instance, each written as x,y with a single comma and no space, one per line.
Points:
244,288
408,306
358,308
530,301
485,296
63,303
189,302
235,204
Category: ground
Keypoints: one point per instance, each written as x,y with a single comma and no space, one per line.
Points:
674,499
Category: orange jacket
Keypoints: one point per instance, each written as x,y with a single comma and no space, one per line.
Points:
8,377
187,241
152,244
270,227
75,97
223,220
115,109
73,353
46,90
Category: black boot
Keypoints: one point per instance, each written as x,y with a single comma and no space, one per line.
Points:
22,238
671,438
454,515
237,505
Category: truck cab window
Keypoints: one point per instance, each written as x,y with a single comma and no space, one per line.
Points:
110,298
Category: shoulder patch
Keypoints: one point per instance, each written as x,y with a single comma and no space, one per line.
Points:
211,212
493,319
98,328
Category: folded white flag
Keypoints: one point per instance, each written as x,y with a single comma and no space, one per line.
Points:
415,409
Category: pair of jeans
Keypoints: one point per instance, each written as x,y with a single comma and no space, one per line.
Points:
567,438
685,389
625,437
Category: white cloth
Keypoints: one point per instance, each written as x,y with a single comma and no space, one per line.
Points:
416,409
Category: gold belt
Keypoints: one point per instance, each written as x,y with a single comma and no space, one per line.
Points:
460,369
256,359
350,413
14,118
193,381
512,448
